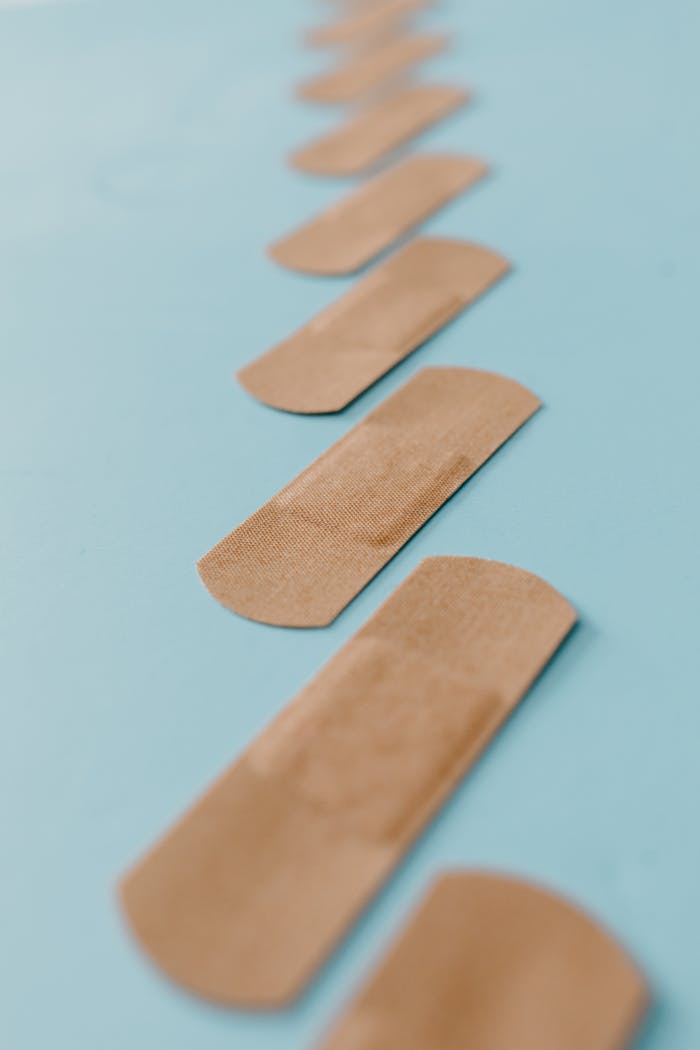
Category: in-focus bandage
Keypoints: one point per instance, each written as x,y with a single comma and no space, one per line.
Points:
305,554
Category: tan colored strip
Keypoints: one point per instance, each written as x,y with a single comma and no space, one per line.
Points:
355,7
303,556
369,220
496,964
250,891
371,71
348,346
363,141
363,25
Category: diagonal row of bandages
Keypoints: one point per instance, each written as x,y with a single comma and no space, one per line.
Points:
247,895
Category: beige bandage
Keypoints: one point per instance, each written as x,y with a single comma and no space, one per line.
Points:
370,219
494,963
371,71
384,317
362,141
305,554
365,24
249,892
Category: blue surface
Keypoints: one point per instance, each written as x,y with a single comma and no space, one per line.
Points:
142,174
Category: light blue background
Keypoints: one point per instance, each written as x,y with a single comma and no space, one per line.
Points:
142,174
